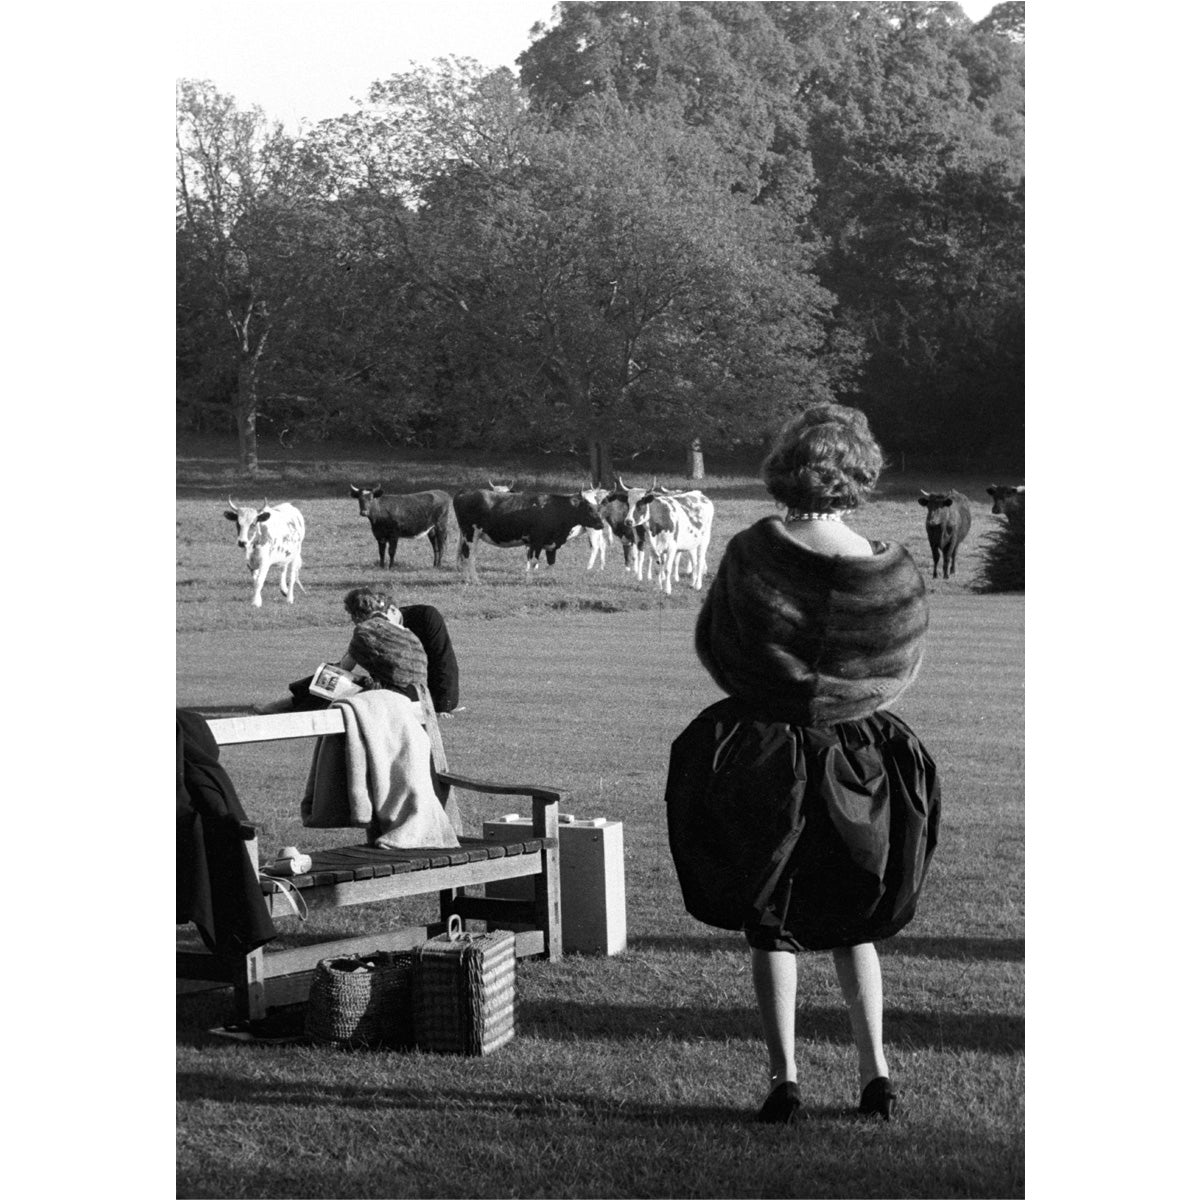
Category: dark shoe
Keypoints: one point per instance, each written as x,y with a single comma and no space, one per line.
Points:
878,1099
782,1106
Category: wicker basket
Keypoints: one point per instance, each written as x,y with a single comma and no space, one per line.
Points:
464,991
362,1001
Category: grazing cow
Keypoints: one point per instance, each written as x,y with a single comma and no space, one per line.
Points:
535,520
947,520
1006,499
676,523
270,535
406,516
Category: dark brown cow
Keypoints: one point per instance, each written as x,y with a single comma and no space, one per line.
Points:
407,516
1006,499
947,521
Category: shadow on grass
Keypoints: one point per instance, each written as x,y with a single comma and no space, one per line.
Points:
982,949
689,943
201,1087
965,948
579,1021
219,710
568,1020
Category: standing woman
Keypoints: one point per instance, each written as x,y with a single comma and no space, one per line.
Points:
799,810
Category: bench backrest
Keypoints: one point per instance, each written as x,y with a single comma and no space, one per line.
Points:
276,727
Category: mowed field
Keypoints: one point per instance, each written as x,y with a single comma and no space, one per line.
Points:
636,1075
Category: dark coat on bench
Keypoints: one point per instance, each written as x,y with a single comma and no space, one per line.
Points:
216,886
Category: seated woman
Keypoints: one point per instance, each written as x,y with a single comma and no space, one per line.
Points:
422,620
395,658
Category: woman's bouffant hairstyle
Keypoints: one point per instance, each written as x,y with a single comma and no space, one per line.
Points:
823,459
362,602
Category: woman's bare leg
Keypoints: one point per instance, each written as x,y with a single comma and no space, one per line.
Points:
774,973
862,986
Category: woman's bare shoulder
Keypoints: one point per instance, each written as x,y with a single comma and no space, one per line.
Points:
829,537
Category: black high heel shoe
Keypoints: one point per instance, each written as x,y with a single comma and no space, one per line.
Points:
782,1106
879,1099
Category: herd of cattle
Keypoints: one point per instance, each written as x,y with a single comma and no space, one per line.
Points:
660,531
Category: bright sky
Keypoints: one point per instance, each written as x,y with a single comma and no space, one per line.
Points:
309,59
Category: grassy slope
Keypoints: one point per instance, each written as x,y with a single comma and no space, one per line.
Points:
632,1076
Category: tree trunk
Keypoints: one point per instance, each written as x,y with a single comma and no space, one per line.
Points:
695,460
247,416
600,461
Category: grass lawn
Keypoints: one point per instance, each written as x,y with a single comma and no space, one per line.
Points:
636,1075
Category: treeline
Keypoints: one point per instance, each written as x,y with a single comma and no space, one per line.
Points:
680,222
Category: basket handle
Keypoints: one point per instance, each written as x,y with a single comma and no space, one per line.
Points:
454,927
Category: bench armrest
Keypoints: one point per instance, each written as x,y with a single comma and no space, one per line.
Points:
545,795
545,799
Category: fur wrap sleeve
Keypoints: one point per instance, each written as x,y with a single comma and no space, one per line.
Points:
811,639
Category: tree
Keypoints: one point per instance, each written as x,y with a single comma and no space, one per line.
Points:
595,283
891,134
631,295
239,204
914,130
1007,19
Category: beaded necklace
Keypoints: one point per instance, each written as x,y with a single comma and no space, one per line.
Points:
835,515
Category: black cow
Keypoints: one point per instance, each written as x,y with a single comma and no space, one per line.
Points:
535,520
1006,499
947,521
405,516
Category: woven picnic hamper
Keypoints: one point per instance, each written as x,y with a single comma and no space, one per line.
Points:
464,991
364,1000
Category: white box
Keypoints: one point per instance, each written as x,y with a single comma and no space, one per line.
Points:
592,875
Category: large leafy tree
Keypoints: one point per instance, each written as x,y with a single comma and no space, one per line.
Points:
891,134
913,123
634,297
597,282
241,206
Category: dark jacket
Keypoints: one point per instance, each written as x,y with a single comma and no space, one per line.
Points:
216,886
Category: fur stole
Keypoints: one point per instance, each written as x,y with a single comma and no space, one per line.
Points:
811,639
392,655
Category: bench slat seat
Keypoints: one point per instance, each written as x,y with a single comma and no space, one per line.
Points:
345,863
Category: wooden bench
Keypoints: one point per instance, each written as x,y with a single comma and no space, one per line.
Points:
363,874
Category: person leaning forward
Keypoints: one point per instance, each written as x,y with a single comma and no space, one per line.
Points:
423,621
395,659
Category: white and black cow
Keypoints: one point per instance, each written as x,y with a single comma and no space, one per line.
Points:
1007,499
676,523
536,520
947,522
270,534
616,511
405,516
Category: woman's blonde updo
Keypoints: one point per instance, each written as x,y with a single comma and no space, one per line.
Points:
824,459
